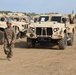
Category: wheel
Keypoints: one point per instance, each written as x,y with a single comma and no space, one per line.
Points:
63,42
1,38
28,43
71,41
2,42
33,43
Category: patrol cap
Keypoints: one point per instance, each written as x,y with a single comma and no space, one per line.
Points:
8,22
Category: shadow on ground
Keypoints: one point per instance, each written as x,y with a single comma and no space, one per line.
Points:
3,58
20,44
23,44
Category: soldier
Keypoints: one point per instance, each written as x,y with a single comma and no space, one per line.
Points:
9,39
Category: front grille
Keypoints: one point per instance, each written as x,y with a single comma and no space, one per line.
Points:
25,26
49,31
38,31
44,31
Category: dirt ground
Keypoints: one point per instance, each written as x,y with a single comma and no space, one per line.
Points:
42,60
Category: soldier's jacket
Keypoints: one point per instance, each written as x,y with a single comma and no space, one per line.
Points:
9,35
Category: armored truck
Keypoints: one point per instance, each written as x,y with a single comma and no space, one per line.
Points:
69,24
47,31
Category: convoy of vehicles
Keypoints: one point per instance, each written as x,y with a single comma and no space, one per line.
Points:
53,28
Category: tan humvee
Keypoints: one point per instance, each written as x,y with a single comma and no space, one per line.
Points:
20,27
70,29
47,31
2,27
20,24
70,25
73,18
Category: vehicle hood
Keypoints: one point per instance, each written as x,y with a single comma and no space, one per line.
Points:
18,23
3,25
47,24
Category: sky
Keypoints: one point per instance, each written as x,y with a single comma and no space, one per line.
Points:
39,6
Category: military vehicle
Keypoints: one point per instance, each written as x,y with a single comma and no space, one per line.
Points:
73,18
70,25
21,25
22,21
3,25
47,31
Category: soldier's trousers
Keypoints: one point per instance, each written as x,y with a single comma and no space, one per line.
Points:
8,49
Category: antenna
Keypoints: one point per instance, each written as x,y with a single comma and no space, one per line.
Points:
72,11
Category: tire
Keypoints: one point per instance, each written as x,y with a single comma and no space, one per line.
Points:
28,43
63,42
2,42
33,43
71,41
1,38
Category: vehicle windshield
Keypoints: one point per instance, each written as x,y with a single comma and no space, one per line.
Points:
11,18
43,18
56,18
8,19
29,18
16,19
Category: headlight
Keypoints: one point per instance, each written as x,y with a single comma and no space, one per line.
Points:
32,29
56,29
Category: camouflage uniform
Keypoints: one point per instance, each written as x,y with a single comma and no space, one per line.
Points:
9,37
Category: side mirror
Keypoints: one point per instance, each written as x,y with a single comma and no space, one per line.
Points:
71,21
64,20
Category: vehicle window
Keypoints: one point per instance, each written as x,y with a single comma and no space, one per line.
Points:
17,19
29,18
8,19
56,18
11,18
43,18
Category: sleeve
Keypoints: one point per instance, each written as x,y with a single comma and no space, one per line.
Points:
13,36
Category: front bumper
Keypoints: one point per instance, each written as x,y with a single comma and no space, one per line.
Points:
34,36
